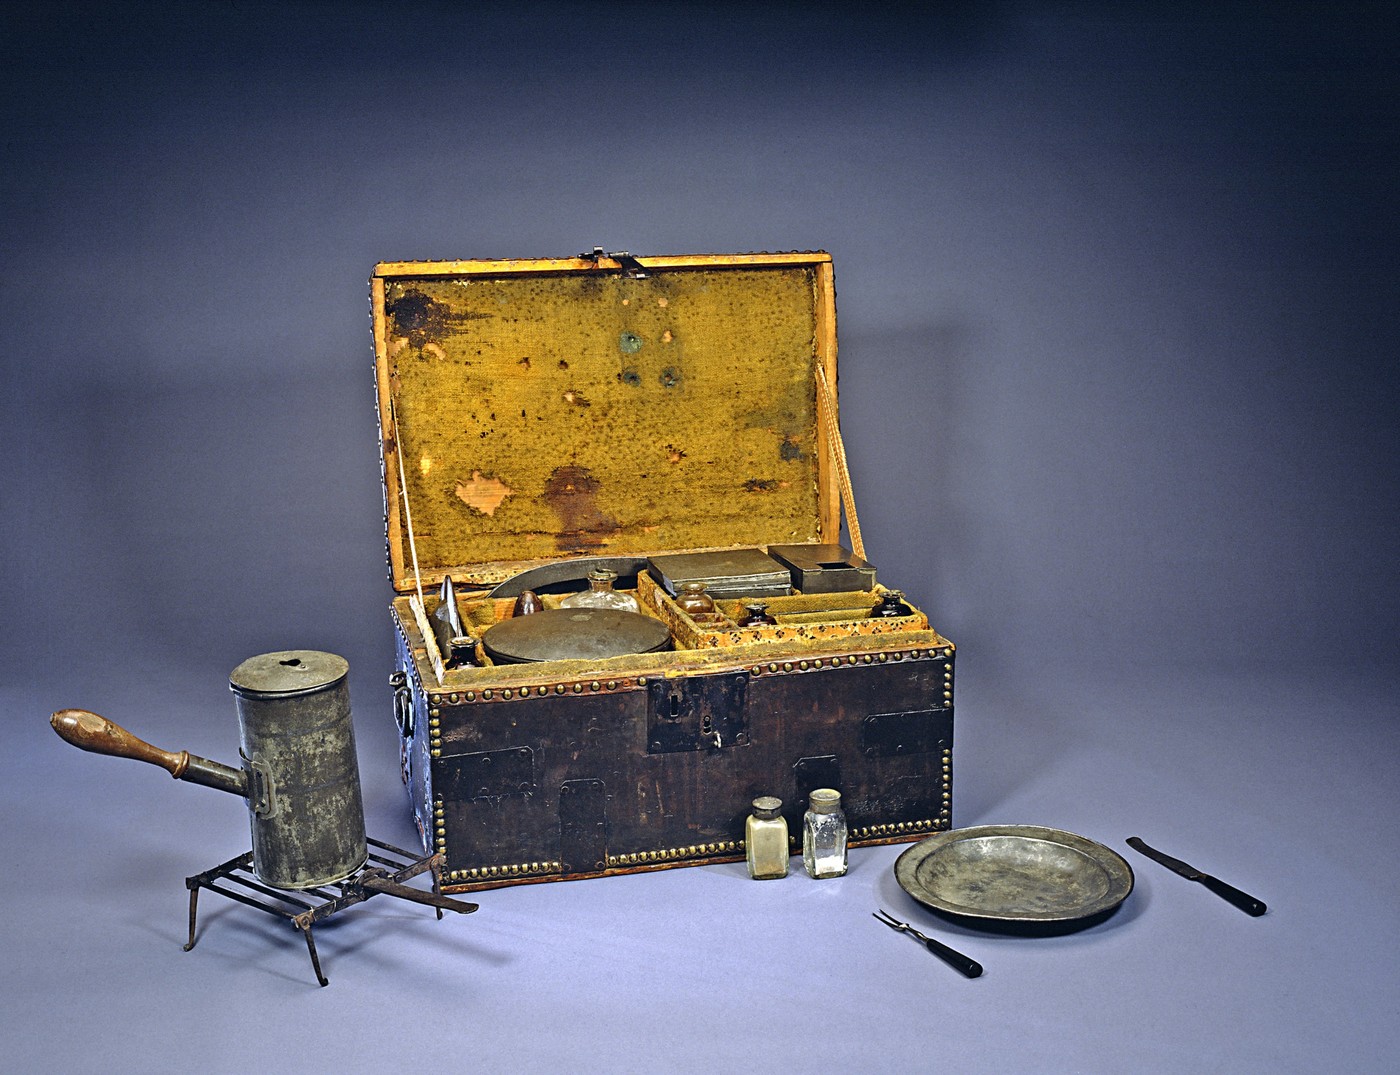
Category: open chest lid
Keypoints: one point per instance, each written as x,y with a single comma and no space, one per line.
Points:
536,410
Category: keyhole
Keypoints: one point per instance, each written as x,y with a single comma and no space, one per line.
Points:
675,706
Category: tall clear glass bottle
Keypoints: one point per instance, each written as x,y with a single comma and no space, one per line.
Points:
824,835
766,839
600,594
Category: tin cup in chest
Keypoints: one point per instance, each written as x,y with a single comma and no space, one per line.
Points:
297,745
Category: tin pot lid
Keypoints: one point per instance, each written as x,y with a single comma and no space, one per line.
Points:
286,672
565,634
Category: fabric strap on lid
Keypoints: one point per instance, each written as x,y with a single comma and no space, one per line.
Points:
834,444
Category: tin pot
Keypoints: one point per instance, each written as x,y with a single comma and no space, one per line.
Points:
300,775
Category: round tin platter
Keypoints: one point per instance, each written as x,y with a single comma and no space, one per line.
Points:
567,634
1014,873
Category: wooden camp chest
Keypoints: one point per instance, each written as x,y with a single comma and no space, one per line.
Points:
536,414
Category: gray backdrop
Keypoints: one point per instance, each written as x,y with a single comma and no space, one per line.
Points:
1117,302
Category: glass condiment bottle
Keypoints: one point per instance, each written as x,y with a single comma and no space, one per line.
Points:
756,614
600,594
824,835
766,839
891,603
694,601
461,652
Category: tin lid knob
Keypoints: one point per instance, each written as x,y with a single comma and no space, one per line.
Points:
288,672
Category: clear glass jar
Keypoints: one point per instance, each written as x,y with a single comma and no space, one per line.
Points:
600,594
766,839
824,835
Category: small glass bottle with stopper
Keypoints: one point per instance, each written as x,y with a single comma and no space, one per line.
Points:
890,604
692,599
600,594
824,835
766,839
756,615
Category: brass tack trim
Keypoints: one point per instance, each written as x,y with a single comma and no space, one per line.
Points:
436,753
578,688
595,685
756,670
471,696
612,684
486,694
641,681
435,699
435,712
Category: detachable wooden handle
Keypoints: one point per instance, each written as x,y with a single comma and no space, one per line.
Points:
89,731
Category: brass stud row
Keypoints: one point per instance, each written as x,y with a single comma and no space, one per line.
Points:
850,659
894,828
520,869
540,691
667,854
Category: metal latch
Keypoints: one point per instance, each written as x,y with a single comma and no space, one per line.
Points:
697,713
630,265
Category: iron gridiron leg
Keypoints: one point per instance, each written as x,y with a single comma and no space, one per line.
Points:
315,960
194,902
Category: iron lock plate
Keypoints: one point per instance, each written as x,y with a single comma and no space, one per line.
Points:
916,731
486,774
697,713
583,826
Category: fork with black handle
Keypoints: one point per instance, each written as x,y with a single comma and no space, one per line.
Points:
952,957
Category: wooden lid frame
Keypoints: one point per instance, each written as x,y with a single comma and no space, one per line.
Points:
544,409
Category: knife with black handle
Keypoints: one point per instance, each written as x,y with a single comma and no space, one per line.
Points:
1243,900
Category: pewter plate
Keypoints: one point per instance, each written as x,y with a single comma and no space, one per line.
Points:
1014,873
571,634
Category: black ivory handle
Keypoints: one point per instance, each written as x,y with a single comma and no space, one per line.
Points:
954,958
1243,900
